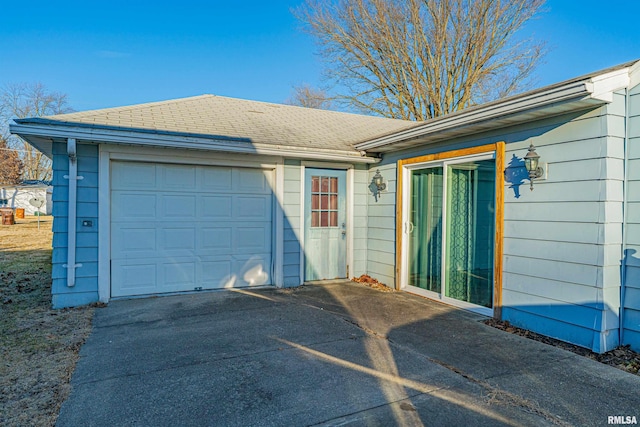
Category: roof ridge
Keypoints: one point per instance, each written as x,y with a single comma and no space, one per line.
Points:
131,106
275,104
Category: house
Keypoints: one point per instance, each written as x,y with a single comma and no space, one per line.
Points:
211,192
19,195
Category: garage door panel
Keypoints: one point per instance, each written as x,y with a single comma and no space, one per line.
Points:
215,239
251,207
178,275
178,206
173,240
251,181
194,227
253,238
217,179
133,205
215,207
179,177
128,241
253,270
123,174
214,273
133,279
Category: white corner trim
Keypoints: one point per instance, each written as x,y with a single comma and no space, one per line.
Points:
302,224
278,191
350,214
104,225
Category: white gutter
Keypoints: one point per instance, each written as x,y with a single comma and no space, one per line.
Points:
186,142
592,90
71,216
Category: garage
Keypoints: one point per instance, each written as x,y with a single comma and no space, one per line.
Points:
178,227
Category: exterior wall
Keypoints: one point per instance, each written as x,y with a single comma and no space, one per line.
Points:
86,287
360,221
292,221
562,241
381,234
631,316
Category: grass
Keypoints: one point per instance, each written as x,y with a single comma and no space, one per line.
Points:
38,346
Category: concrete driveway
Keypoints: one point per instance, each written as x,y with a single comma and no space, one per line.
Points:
331,354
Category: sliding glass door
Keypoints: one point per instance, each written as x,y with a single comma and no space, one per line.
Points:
451,230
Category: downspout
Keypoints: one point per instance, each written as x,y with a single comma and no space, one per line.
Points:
71,216
625,210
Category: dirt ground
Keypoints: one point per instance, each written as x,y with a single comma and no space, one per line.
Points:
38,346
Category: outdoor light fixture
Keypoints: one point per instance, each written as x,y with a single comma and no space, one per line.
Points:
378,181
531,163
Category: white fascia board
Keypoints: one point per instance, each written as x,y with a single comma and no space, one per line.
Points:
603,86
186,142
571,91
634,75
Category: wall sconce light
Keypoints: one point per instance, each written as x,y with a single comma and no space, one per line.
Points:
531,162
378,182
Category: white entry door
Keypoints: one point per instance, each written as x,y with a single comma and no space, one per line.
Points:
325,233
184,227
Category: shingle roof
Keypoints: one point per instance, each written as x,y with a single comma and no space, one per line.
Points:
252,121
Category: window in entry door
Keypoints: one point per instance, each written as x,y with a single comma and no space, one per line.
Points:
324,201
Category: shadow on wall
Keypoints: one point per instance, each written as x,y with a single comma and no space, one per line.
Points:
515,174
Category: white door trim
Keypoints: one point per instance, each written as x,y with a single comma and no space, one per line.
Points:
109,152
350,200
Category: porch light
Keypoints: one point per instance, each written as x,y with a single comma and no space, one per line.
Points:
378,181
531,162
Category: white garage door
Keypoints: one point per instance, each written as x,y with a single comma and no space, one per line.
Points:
184,227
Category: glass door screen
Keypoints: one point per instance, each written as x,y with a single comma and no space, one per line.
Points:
451,230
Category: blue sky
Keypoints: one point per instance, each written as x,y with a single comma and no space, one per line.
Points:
106,54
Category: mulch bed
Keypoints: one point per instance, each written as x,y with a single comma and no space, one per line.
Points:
622,357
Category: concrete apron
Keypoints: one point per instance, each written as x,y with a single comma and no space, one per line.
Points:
328,354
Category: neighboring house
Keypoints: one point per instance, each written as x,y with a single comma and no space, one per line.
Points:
18,196
211,192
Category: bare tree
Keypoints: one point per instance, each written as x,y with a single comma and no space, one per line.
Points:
418,59
10,164
309,97
29,100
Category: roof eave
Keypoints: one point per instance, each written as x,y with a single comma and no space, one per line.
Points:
38,133
572,96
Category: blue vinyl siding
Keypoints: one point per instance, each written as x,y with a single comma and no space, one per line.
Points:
291,208
561,264
631,320
86,288
361,197
381,227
